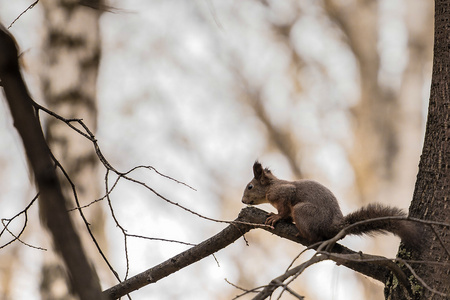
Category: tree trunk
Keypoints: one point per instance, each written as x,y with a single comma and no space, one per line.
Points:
71,55
431,195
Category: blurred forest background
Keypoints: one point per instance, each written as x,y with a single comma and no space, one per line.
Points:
331,90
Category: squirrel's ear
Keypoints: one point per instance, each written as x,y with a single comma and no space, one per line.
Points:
257,170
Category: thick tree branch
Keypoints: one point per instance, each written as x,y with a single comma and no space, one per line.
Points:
51,200
248,215
227,236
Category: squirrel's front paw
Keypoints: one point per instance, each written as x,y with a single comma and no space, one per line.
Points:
273,219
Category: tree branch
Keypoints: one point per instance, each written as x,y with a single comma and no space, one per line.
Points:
247,216
227,236
277,282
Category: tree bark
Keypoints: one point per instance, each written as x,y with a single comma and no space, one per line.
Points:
432,190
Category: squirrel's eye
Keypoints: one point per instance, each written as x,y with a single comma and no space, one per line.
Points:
250,186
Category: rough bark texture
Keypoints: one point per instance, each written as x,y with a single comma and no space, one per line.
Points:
431,195
71,55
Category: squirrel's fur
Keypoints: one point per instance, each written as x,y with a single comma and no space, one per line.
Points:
316,212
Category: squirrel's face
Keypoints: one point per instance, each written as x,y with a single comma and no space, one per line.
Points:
254,193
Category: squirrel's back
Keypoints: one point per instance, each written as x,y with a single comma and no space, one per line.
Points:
315,193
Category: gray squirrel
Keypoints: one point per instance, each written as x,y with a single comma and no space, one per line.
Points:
316,212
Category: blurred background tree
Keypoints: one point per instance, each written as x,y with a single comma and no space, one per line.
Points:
70,58
330,90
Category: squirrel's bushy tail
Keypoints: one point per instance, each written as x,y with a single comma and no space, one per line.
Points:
408,231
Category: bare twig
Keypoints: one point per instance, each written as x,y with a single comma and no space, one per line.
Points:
17,237
125,175
245,291
83,217
295,272
439,239
422,282
20,15
125,237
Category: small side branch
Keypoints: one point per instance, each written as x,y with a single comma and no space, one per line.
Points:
278,282
7,222
20,15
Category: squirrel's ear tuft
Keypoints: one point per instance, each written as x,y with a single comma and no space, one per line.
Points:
257,170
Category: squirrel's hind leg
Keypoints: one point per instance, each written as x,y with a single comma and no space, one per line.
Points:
306,216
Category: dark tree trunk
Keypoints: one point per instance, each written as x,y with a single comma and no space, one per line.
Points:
432,192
